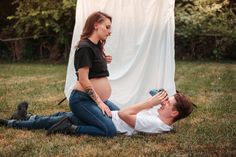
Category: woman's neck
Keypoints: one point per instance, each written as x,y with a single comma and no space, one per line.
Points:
94,38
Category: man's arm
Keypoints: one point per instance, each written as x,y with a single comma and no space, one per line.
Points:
128,114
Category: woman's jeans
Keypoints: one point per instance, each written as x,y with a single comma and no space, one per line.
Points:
86,110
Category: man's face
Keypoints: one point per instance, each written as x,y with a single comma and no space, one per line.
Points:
168,107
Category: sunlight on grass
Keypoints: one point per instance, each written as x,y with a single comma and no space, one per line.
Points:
209,131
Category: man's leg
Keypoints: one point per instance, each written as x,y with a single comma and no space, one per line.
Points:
72,117
42,122
35,122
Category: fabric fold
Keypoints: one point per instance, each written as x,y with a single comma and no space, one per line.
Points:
142,46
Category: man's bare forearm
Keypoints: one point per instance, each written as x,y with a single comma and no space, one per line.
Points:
128,114
134,109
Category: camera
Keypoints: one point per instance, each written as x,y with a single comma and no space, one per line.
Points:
155,91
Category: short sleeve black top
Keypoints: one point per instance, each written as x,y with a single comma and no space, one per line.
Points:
89,54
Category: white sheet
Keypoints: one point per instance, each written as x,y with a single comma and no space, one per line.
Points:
142,46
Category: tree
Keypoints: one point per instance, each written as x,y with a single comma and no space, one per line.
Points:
201,20
204,28
53,19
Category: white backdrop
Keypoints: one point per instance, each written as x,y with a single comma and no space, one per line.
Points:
142,46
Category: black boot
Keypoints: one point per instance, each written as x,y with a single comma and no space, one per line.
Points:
3,122
21,111
63,126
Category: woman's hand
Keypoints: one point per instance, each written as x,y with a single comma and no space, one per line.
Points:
108,59
104,108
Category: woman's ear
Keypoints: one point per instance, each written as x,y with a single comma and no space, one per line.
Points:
96,26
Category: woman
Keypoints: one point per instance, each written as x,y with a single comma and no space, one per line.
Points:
89,99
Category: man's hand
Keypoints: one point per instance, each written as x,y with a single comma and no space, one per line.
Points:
159,98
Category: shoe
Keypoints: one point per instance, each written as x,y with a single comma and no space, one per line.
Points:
21,111
63,126
3,122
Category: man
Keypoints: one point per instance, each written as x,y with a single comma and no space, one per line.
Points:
146,117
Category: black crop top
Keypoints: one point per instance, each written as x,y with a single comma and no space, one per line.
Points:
89,54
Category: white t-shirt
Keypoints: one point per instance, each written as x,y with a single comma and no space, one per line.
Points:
147,121
121,126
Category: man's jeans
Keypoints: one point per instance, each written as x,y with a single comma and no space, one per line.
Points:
86,110
43,122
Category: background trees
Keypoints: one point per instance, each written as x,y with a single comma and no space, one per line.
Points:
45,28
204,29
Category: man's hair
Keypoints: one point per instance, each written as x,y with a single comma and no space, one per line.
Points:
183,105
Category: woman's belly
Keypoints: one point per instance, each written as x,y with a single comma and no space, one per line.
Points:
100,85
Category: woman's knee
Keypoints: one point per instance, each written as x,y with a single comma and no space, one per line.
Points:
110,130
92,115
95,117
111,133
111,105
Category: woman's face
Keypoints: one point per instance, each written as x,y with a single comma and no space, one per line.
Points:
103,30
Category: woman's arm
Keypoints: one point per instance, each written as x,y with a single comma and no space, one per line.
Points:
87,85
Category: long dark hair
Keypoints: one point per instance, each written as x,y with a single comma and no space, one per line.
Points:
96,17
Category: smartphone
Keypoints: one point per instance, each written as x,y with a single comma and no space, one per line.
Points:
155,91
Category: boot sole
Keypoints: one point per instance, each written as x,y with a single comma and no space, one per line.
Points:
49,132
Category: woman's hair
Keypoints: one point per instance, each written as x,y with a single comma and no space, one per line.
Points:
183,105
96,17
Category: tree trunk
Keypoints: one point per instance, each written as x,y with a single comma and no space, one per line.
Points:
16,49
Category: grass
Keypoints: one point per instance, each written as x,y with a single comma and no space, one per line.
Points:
209,131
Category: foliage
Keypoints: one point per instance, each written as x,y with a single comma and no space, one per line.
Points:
6,9
41,18
204,28
207,18
52,19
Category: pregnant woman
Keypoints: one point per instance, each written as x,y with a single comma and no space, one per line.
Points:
89,99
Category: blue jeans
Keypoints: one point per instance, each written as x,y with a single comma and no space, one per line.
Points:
86,110
43,122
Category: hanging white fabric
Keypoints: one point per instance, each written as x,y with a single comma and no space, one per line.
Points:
141,44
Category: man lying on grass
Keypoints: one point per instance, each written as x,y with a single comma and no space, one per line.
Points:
154,115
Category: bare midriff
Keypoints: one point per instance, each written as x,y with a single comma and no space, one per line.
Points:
101,86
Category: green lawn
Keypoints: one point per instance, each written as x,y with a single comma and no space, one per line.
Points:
209,131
